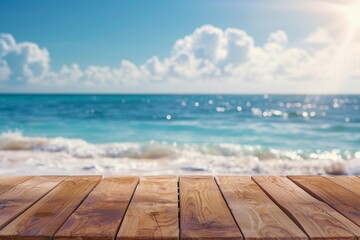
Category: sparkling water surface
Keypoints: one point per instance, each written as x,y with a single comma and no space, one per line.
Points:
281,121
174,134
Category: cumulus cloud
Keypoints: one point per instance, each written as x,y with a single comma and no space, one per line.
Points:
225,56
22,62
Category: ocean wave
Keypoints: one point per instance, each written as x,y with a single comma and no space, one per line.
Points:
81,149
221,158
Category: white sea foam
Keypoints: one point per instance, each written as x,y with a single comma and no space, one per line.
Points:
35,155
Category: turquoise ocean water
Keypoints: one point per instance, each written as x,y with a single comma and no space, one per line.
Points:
181,133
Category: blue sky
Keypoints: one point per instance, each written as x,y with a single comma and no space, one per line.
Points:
104,33
90,32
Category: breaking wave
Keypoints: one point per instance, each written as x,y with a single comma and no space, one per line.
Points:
61,155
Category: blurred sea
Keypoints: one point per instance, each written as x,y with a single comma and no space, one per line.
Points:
176,134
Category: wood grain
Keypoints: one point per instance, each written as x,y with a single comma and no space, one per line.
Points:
256,214
45,217
203,211
86,208
8,182
318,219
99,216
153,211
351,183
341,199
19,198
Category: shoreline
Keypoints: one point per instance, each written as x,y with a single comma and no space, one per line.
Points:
44,163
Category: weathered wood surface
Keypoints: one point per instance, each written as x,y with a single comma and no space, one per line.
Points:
153,211
99,216
19,198
255,213
341,199
351,183
203,211
317,219
46,216
6,183
188,207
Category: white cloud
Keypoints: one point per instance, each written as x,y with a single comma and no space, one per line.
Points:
228,60
320,36
204,43
22,62
4,70
278,37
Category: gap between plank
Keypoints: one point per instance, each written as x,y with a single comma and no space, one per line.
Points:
102,177
217,184
319,198
127,207
282,208
32,204
330,179
25,178
179,212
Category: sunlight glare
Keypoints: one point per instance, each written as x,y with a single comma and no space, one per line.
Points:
353,13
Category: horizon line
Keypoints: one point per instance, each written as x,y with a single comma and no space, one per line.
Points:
94,93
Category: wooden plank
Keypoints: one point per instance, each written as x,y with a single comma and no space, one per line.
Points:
45,217
153,211
99,216
19,198
341,199
256,214
8,182
203,211
351,183
316,218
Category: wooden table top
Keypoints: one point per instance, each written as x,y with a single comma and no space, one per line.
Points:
184,207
